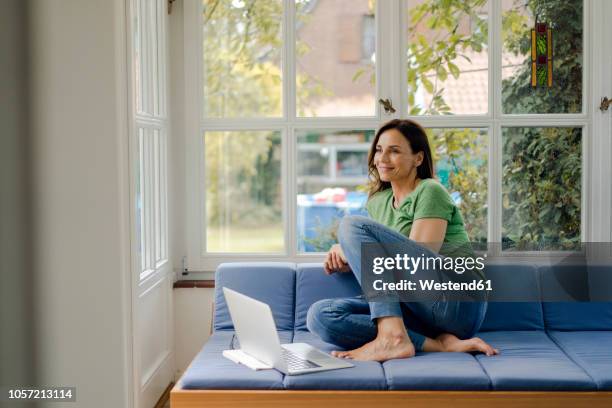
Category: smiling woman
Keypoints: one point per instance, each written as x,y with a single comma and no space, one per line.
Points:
409,208
395,156
402,178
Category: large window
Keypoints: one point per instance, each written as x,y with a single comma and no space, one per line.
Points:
287,103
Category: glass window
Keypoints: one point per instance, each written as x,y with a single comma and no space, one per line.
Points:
332,181
242,58
368,37
335,58
139,181
137,50
461,160
330,116
151,209
565,20
243,191
541,188
314,161
447,57
352,163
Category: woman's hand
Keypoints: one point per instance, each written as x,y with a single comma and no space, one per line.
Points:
335,261
449,342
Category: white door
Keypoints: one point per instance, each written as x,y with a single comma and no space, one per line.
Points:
151,267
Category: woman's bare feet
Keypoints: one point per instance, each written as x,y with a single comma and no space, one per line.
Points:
380,349
391,342
450,342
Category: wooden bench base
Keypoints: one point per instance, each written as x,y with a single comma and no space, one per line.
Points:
180,398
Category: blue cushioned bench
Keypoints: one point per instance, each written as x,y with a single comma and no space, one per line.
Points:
549,352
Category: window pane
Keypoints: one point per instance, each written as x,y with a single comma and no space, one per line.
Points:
447,57
332,175
137,48
541,188
461,160
242,58
146,202
157,194
139,216
335,57
243,191
565,20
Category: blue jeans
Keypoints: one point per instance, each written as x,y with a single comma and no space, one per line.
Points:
349,322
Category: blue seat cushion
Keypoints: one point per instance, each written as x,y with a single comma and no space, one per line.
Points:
312,284
530,360
591,350
566,290
578,315
210,370
269,282
366,375
515,302
436,371
579,282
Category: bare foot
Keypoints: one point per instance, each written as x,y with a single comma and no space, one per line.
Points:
382,348
450,342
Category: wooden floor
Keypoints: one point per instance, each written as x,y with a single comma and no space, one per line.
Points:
164,400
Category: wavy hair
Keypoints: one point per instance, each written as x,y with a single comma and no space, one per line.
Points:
417,139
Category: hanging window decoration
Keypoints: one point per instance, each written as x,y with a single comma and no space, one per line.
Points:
541,55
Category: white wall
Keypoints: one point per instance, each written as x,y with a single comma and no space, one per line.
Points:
176,144
79,163
192,306
192,323
15,272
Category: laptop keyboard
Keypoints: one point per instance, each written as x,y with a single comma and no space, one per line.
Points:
295,362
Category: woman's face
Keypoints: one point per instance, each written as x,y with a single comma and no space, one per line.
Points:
394,158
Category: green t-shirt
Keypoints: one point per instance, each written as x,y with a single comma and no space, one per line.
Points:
428,200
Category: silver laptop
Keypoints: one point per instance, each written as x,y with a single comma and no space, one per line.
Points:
258,338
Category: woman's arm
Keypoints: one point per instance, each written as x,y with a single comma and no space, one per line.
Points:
429,232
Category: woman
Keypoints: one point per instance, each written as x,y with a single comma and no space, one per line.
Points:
407,206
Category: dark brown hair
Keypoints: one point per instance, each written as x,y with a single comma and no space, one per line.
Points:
417,139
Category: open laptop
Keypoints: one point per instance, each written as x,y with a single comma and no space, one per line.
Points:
258,338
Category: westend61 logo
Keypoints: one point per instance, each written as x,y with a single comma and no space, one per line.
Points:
403,262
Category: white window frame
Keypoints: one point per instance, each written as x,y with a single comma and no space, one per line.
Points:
596,146
149,114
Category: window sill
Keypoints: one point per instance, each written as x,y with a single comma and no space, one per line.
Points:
200,283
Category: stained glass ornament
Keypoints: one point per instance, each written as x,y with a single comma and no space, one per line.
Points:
541,55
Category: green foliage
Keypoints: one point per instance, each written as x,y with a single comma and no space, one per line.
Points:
325,236
242,43
541,188
431,56
242,178
565,96
242,46
542,167
466,152
430,62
